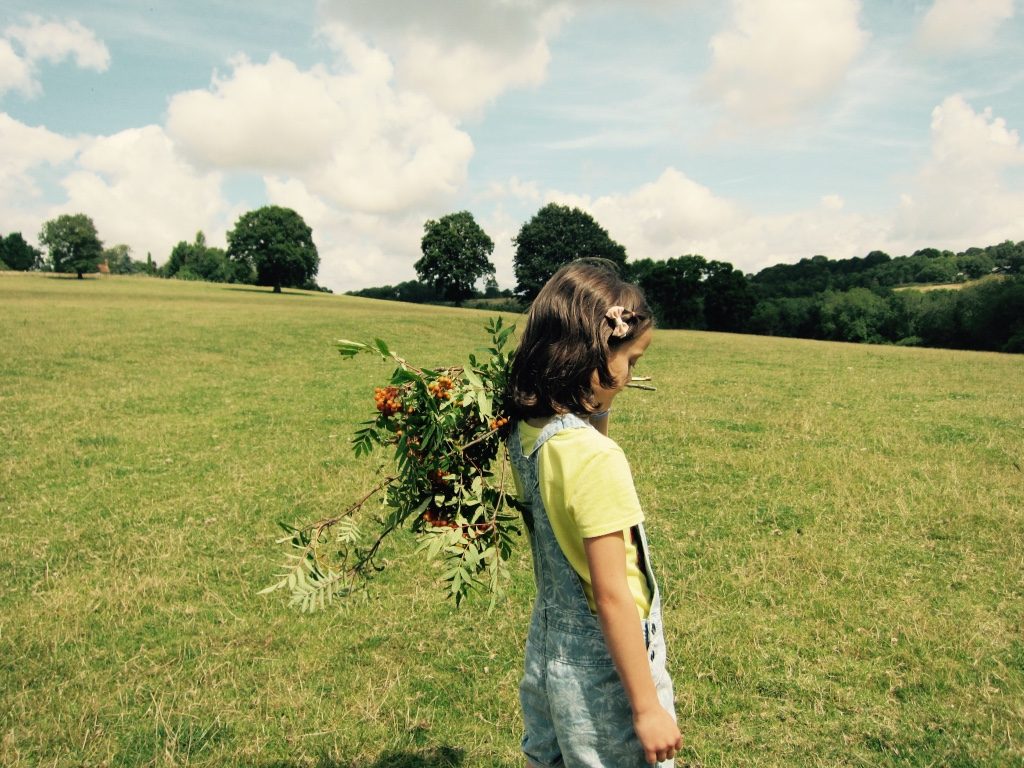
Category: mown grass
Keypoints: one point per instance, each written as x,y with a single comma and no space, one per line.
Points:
838,531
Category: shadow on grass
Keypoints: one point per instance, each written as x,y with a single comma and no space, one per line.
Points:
434,757
269,291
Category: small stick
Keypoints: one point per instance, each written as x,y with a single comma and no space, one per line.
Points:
634,385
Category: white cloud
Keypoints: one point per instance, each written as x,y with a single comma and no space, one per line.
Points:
463,79
50,41
528,191
351,138
668,217
139,191
26,151
132,184
15,72
265,116
952,26
832,202
959,197
461,54
780,57
675,215
54,41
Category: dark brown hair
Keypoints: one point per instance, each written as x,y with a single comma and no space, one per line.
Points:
567,337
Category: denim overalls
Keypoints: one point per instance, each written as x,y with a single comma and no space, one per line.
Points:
575,710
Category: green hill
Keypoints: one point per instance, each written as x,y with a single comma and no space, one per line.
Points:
837,529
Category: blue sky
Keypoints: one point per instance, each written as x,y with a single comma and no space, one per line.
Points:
752,131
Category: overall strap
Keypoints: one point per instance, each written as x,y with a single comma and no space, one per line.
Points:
557,424
526,462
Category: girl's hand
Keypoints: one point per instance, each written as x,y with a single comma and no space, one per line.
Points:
658,733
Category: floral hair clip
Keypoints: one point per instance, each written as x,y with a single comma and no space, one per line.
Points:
618,316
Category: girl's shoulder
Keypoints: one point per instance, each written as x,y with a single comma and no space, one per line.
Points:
582,443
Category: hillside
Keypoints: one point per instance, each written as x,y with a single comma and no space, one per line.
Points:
837,530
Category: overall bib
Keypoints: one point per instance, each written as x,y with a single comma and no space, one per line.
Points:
575,710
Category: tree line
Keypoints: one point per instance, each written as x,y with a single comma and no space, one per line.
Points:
270,246
861,299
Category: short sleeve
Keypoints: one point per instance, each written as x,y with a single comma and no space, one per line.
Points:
603,498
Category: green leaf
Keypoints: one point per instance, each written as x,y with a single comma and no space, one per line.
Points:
383,347
403,376
473,378
485,405
274,587
349,348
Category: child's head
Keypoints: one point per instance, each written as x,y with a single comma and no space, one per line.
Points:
570,335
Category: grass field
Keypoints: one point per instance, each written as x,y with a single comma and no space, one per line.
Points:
926,287
839,532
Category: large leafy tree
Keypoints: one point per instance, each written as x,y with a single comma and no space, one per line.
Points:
456,253
17,254
73,243
555,236
277,244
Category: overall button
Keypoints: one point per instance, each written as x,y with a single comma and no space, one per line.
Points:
652,655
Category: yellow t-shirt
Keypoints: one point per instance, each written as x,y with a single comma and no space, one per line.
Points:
587,489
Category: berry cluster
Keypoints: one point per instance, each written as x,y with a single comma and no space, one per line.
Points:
433,518
441,388
388,400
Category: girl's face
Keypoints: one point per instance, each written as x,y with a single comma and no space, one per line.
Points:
620,365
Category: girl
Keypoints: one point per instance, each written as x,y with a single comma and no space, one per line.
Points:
595,692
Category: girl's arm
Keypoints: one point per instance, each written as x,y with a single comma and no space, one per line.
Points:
656,728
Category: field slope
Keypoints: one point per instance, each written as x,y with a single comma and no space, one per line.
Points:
838,529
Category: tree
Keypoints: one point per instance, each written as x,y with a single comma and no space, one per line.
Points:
491,288
277,244
674,289
73,243
555,236
17,254
456,254
975,263
856,315
120,262
412,291
198,261
728,298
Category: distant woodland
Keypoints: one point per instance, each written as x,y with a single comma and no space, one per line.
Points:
968,300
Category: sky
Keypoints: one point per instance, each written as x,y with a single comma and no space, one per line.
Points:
749,131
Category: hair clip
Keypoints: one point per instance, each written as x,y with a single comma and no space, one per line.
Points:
615,314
